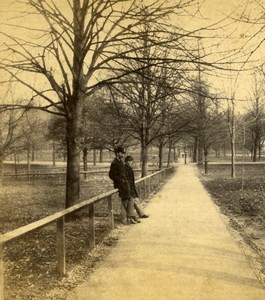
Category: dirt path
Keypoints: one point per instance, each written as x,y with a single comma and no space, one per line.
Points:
183,251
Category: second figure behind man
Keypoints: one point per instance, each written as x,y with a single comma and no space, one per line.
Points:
133,192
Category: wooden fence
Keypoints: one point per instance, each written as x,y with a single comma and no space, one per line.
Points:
144,185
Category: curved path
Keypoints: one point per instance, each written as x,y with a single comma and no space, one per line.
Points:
183,251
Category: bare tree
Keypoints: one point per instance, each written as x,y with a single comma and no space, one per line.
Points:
146,102
255,117
56,135
146,97
206,122
232,133
250,15
70,56
12,134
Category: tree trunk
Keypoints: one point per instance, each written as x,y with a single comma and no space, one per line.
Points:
231,126
168,156
160,156
28,159
200,150
32,153
190,151
75,104
16,161
144,162
260,148
101,155
255,151
195,149
206,161
233,170
224,150
85,152
94,157
144,159
1,162
73,160
53,153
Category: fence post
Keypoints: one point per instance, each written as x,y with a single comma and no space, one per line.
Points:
91,215
149,186
1,272
144,183
110,212
60,241
139,189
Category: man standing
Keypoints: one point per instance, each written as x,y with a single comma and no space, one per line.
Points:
118,176
133,192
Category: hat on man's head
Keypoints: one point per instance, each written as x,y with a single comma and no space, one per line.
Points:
129,158
120,150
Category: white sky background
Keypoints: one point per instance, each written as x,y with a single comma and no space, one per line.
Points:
241,38
211,11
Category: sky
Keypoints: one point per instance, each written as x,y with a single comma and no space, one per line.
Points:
238,83
210,12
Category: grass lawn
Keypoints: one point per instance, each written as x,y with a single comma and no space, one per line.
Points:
241,196
242,199
30,261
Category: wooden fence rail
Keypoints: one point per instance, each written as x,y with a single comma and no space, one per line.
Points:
148,184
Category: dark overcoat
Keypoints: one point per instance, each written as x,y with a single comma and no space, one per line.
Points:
118,176
131,179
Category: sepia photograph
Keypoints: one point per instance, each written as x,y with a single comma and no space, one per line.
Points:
132,154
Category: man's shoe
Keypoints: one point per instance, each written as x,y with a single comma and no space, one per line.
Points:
131,221
136,220
144,216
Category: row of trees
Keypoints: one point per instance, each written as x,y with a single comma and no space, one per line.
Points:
113,69
198,121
